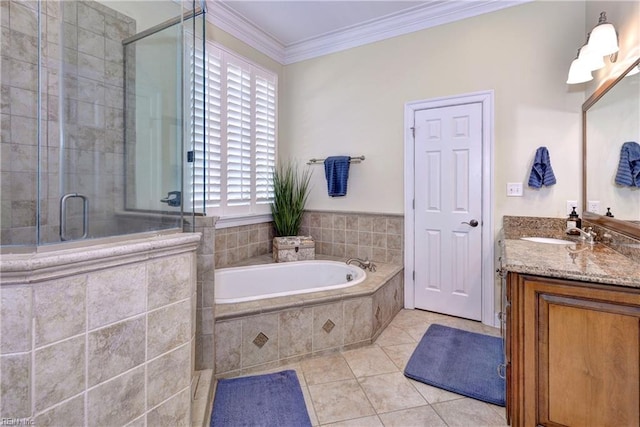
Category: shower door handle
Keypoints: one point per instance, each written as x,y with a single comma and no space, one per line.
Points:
472,223
63,215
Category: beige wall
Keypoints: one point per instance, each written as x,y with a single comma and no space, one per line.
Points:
352,103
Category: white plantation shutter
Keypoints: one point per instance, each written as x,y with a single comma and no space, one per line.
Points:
239,130
265,137
236,148
207,129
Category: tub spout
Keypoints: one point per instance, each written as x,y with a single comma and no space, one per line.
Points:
364,264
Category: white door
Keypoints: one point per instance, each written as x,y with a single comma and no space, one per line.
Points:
448,210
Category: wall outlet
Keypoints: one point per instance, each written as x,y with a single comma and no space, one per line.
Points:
593,206
570,205
514,189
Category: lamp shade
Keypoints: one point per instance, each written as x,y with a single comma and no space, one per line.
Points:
603,39
578,73
591,61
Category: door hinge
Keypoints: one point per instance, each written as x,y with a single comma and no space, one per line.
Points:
414,275
190,156
413,132
413,203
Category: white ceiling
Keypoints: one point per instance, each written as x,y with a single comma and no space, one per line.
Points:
294,30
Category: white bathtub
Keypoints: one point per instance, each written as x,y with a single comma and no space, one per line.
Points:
238,284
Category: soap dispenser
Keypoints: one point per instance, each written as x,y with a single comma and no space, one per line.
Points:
574,221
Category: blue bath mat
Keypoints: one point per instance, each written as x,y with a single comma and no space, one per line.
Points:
462,362
261,400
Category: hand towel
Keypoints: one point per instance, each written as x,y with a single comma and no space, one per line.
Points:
541,171
629,167
336,169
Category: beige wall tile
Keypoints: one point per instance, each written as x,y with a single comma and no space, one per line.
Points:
296,332
15,386
169,280
118,401
15,319
138,422
325,336
357,320
168,374
70,413
168,328
59,309
228,346
205,353
116,349
116,294
173,412
59,372
253,354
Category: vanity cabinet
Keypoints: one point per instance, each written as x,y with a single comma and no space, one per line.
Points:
573,353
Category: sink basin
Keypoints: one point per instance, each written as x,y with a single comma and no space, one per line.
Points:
547,240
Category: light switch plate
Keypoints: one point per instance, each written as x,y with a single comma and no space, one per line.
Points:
593,206
514,189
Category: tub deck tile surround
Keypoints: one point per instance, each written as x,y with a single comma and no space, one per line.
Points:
306,325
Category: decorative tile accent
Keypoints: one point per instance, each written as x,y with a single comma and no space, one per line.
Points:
267,324
328,326
260,340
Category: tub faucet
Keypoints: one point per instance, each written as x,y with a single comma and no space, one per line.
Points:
364,264
589,235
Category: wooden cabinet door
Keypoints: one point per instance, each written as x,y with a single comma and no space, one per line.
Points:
581,354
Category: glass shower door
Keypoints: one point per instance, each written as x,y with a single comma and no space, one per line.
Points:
154,129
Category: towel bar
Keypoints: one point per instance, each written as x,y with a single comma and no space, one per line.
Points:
351,159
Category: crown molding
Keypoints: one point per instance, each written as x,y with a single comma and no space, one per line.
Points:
225,18
404,22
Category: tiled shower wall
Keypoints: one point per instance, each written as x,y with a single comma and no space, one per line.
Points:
87,37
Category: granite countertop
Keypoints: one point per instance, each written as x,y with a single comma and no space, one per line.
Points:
576,261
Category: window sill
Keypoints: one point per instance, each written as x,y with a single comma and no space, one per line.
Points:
236,221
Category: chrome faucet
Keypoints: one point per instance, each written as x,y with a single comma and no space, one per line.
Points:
589,235
364,264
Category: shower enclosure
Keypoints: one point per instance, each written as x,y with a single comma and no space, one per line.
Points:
96,118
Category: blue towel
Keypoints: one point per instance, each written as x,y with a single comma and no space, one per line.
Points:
541,171
336,169
629,166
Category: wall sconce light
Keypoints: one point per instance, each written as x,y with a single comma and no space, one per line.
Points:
604,39
601,41
578,72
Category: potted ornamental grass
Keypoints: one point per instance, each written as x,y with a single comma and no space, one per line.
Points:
290,194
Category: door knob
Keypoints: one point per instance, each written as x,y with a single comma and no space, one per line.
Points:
472,223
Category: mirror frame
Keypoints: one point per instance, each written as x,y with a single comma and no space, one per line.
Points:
624,227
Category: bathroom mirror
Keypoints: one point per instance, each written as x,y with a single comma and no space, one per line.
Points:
611,117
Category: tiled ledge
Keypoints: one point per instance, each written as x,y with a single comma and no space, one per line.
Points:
50,265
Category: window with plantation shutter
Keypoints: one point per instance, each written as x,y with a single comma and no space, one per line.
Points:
236,146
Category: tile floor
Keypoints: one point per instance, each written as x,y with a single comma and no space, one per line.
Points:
366,387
